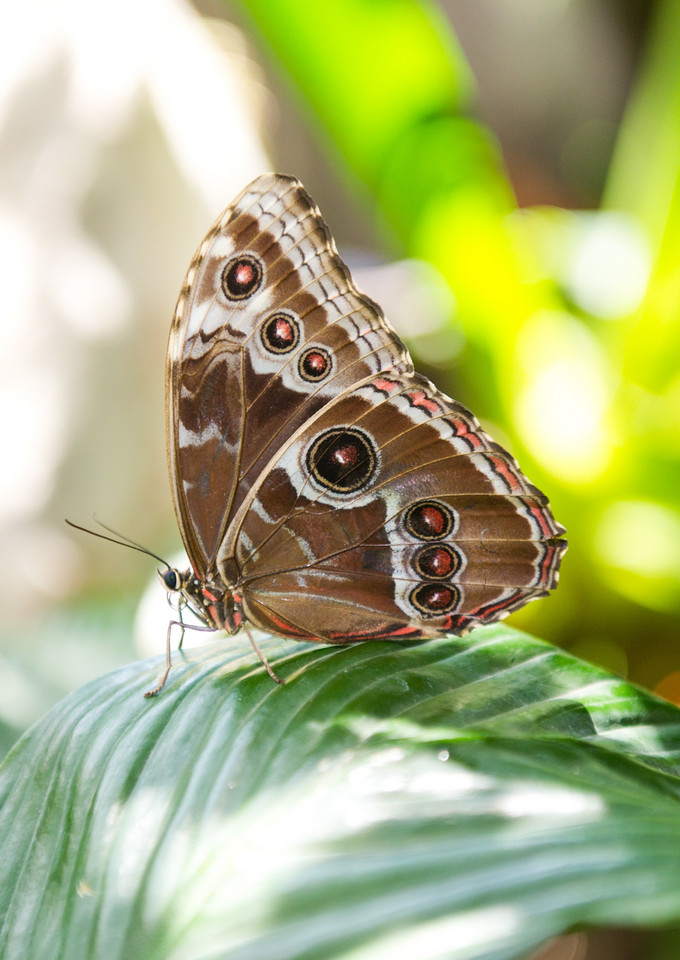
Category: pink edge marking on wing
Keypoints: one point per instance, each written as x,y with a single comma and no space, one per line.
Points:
488,610
505,471
387,386
462,429
539,515
287,629
456,623
403,632
420,399
547,563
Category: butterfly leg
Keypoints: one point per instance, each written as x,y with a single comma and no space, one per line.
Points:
258,651
168,660
168,655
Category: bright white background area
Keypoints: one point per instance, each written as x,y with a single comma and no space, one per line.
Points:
119,146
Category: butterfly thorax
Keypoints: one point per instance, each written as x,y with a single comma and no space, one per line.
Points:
212,602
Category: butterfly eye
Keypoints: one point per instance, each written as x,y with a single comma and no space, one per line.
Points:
242,277
172,580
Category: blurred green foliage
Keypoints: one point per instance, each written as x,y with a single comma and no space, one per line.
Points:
570,318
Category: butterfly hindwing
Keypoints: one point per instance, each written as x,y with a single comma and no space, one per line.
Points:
392,513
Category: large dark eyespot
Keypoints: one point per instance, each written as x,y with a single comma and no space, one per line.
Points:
429,520
436,562
342,460
314,364
241,277
280,333
435,599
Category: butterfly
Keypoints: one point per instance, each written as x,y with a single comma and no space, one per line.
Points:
323,489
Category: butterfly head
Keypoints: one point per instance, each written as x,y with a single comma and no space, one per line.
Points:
183,590
214,604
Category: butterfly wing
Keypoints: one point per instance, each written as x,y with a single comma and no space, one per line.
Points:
336,491
392,514
268,329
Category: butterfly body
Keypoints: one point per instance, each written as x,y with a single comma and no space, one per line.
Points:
323,489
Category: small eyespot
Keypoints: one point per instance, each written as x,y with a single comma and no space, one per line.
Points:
242,277
435,599
315,364
437,562
429,520
280,333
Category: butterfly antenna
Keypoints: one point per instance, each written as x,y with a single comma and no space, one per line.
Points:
122,540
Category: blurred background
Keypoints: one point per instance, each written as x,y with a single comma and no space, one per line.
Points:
501,175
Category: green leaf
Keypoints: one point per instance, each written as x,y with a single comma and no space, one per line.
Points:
451,798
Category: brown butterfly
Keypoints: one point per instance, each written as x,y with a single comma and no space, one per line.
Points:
325,490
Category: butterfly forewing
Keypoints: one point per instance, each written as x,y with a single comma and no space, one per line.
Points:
268,328
333,491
